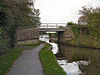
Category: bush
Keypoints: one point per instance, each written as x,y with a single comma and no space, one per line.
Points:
3,47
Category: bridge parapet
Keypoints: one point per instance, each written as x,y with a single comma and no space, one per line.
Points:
52,27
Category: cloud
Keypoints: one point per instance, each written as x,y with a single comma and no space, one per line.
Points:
62,11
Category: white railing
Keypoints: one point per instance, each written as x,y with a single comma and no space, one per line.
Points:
52,25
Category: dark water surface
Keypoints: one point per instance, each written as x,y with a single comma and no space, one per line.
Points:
88,60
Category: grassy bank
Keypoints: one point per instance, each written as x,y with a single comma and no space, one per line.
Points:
6,60
84,38
31,45
50,65
85,41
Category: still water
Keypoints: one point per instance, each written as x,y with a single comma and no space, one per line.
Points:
76,61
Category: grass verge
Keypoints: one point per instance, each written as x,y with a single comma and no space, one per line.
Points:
31,45
50,65
6,60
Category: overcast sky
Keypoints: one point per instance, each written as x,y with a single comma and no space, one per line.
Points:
62,11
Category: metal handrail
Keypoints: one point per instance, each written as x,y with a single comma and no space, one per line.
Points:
52,25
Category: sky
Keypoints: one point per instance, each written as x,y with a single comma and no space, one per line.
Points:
62,11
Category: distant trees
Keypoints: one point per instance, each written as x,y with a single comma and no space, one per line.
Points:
91,18
89,34
13,14
71,23
85,13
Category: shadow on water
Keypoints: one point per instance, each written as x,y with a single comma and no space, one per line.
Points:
74,54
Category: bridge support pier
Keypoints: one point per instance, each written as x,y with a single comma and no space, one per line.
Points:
60,37
60,41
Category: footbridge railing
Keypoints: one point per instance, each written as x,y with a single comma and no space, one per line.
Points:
52,27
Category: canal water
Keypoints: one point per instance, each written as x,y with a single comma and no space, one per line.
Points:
76,61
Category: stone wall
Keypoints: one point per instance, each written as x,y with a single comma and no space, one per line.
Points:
63,37
27,35
66,35
34,41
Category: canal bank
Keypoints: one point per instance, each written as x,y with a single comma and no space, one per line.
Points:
84,37
49,61
69,68
78,61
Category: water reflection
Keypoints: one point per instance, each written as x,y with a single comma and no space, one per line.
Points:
70,68
88,60
54,48
77,61
46,39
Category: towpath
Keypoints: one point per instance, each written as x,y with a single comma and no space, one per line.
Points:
28,63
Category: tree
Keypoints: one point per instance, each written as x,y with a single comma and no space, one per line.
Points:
91,18
71,23
13,14
36,18
85,15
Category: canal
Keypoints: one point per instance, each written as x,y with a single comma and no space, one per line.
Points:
76,61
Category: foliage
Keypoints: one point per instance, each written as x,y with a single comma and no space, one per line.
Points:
90,21
31,45
85,41
91,17
82,39
13,14
76,31
36,19
50,65
71,23
3,48
61,26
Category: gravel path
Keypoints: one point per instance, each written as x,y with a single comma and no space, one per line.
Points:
28,63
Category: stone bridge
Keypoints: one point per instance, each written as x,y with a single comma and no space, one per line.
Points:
63,30
30,34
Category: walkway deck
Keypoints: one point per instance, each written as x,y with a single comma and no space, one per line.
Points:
28,63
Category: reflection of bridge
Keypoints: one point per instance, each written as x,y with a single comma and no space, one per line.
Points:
52,27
